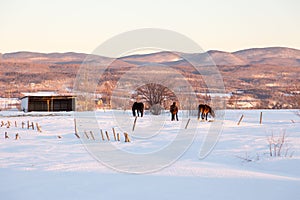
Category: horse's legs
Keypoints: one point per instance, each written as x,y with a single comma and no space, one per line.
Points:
142,113
202,115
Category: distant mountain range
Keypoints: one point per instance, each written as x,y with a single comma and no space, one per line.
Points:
55,58
255,78
275,56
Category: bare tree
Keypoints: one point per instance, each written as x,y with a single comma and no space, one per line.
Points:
154,94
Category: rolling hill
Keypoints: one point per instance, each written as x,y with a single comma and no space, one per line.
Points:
276,56
265,77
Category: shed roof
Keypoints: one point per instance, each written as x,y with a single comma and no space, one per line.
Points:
44,94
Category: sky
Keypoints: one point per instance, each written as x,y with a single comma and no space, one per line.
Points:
81,26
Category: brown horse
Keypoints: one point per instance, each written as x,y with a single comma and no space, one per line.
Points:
204,110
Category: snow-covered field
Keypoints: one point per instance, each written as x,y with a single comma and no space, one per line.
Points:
55,164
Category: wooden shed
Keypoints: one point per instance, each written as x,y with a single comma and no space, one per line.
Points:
47,102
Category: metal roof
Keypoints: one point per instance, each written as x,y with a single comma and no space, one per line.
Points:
44,94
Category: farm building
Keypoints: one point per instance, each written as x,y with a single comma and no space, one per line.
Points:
47,101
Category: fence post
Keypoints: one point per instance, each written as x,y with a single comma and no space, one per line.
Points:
30,125
86,135
134,123
260,119
107,136
92,135
6,136
38,128
126,137
240,120
187,123
102,134
114,132
76,131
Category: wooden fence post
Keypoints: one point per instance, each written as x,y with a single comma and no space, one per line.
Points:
133,127
114,132
260,118
76,131
187,123
118,136
92,135
38,127
86,135
30,125
107,136
6,135
240,120
23,124
126,137
102,134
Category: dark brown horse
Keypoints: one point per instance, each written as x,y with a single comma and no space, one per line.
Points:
204,110
139,108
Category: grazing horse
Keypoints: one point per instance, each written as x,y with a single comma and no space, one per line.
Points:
204,110
139,107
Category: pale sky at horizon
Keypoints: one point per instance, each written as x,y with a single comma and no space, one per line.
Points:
80,26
